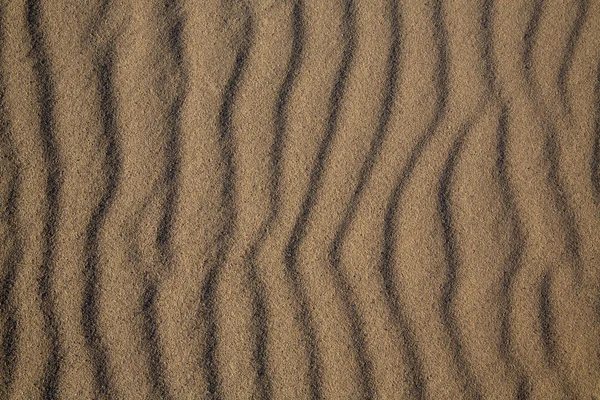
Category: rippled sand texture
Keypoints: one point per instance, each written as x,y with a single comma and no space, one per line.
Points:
291,199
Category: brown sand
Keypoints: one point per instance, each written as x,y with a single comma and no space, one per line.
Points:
295,199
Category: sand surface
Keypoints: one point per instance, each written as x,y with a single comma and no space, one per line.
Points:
300,199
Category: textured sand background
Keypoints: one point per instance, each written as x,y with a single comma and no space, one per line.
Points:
290,199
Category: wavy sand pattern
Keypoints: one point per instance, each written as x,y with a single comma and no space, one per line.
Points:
345,199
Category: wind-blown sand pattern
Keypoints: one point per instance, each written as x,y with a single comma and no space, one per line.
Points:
344,199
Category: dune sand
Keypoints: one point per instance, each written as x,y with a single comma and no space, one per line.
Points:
295,199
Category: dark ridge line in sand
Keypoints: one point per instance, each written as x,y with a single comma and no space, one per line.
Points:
529,38
282,106
546,320
470,384
45,88
7,301
299,231
595,162
515,258
261,333
171,180
582,14
358,321
508,203
380,136
226,140
551,153
487,28
548,334
147,328
172,148
112,170
393,209
260,330
517,236
551,147
151,340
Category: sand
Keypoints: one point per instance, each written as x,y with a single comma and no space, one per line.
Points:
297,199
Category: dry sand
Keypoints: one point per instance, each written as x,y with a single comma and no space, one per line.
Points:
292,199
